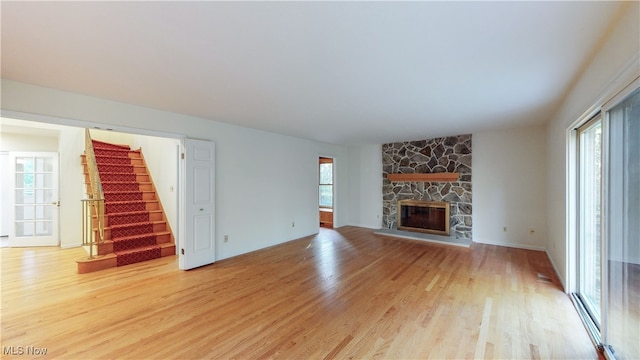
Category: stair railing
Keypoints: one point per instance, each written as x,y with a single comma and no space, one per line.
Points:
93,207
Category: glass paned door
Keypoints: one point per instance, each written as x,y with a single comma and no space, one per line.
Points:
34,194
622,334
589,217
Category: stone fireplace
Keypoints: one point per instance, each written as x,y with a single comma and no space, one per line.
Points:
424,216
440,155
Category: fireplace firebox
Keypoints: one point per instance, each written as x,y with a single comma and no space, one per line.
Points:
424,216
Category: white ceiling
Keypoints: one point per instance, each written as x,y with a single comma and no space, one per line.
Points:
339,72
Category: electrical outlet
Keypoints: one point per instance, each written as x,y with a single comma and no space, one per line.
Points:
226,238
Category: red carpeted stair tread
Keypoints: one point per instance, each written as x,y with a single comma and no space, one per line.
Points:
111,186
128,217
123,196
118,176
125,206
111,147
106,145
129,230
132,242
120,196
113,160
110,152
138,255
114,168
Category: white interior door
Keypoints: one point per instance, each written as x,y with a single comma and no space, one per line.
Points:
34,199
198,247
5,198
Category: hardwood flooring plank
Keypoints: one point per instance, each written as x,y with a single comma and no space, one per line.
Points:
339,347
484,330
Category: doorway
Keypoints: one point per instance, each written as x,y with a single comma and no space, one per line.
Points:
326,191
67,138
605,276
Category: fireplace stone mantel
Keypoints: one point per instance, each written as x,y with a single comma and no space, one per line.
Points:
428,177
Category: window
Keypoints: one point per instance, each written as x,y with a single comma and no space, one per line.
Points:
326,183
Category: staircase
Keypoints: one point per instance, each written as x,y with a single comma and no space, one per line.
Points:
135,226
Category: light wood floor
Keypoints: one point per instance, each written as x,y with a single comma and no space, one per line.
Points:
344,293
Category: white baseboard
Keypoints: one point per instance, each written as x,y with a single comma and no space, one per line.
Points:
69,246
373,227
555,268
511,245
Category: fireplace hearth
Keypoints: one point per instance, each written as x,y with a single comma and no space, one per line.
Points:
424,216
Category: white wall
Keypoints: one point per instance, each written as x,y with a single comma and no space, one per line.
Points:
264,181
72,185
365,186
26,142
161,157
601,77
509,182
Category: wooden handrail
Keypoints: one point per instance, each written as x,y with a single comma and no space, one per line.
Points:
94,206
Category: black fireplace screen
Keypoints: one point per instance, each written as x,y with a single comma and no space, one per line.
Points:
428,218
